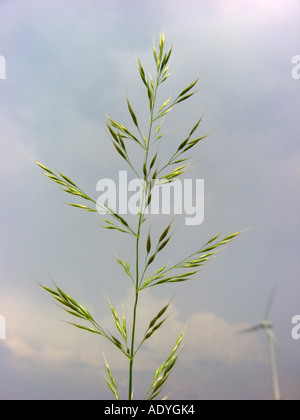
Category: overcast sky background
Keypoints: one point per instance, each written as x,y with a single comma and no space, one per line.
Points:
68,63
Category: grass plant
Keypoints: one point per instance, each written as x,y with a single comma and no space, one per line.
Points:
141,273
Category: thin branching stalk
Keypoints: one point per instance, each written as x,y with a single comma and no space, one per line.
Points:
144,276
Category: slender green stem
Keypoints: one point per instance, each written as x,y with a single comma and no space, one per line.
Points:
134,309
132,346
141,217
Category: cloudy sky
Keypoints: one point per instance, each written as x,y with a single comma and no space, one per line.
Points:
68,64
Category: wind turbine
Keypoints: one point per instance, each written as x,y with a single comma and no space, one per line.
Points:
267,326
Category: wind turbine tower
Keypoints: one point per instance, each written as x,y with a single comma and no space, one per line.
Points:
267,326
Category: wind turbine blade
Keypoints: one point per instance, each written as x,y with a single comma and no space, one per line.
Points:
249,330
271,336
269,305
